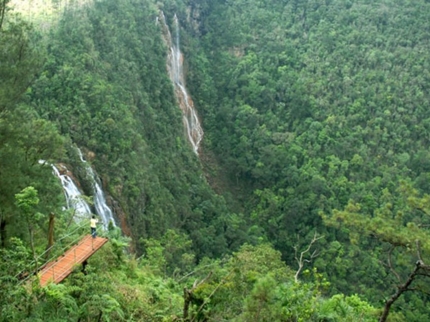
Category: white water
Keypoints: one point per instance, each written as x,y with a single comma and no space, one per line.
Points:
174,67
102,209
73,196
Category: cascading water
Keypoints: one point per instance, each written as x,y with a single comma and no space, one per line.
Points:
174,67
73,196
102,209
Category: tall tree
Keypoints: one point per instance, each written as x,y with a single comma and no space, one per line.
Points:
19,59
25,139
26,201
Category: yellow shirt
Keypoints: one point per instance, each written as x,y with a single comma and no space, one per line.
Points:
93,222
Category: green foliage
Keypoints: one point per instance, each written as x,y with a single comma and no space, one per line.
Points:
311,105
252,285
171,255
401,241
118,241
255,285
229,287
307,107
19,59
104,84
25,139
14,260
26,200
346,308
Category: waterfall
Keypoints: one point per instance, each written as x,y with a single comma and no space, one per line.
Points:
102,209
73,196
174,66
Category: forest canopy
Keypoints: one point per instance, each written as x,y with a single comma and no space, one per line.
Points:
308,198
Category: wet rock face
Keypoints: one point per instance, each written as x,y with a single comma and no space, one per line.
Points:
175,61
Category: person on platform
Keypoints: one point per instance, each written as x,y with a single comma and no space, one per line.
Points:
93,225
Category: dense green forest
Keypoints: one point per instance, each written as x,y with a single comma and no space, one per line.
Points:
309,199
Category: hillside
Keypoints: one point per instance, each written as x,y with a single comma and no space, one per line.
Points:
312,105
310,185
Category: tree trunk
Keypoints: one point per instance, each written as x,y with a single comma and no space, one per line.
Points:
50,234
2,11
400,290
188,295
3,233
84,266
33,250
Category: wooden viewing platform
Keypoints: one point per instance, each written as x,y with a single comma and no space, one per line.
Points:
59,269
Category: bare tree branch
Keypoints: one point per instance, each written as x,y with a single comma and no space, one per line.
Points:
210,295
400,290
301,260
197,270
188,295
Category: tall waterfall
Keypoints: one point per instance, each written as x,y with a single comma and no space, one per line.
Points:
102,209
73,196
174,67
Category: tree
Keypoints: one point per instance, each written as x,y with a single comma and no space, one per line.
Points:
304,257
25,139
26,201
399,226
14,263
20,60
170,255
3,7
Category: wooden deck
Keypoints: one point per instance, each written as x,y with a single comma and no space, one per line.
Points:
59,269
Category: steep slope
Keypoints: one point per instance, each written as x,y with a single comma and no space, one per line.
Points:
305,104
105,84
308,104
